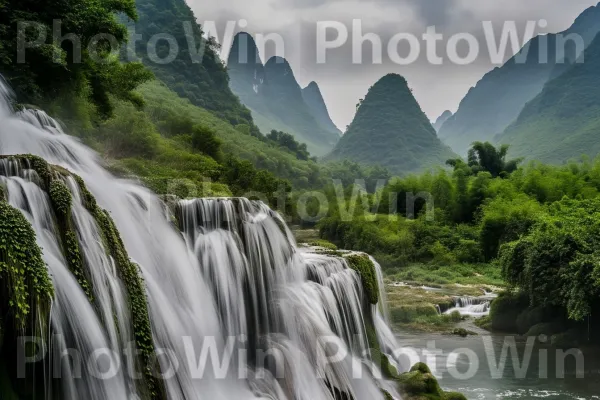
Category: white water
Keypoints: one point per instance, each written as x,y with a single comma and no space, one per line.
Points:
235,272
471,306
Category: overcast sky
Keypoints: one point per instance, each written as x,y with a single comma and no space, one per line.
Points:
436,87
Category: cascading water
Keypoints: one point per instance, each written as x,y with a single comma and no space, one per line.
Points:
234,275
472,306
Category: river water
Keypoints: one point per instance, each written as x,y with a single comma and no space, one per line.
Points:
540,378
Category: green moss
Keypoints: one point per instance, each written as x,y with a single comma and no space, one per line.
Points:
383,363
131,276
22,266
386,395
89,201
420,384
60,197
365,268
36,163
505,311
462,332
324,244
75,262
2,192
484,323
417,383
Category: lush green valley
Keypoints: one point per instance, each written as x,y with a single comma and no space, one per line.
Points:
531,228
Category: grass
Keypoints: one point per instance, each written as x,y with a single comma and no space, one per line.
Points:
458,274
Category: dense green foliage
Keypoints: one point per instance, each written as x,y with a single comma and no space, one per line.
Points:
464,217
50,69
276,99
535,228
391,130
498,98
563,121
557,261
200,77
485,157
287,141
365,268
27,288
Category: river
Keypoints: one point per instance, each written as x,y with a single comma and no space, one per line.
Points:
579,382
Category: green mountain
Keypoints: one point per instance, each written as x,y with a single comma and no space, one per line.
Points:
498,98
202,78
439,122
276,99
563,121
391,130
314,100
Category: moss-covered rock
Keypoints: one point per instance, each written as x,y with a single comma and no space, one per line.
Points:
462,332
420,384
323,244
75,262
362,264
36,163
61,198
22,269
505,311
132,278
419,381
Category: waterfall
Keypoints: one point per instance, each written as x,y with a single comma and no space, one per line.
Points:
473,306
232,273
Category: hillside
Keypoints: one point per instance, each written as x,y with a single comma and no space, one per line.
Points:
276,99
391,130
204,82
562,122
498,98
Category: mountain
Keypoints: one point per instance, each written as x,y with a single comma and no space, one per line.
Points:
314,100
498,98
391,130
437,125
276,99
201,79
563,121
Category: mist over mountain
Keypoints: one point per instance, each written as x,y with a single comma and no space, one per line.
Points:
391,130
498,98
276,100
439,122
315,102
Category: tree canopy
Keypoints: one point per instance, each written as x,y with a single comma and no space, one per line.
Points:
79,62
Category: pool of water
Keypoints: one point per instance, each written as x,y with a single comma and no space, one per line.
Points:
473,366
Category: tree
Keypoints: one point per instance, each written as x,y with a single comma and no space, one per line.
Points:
486,157
205,140
45,69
